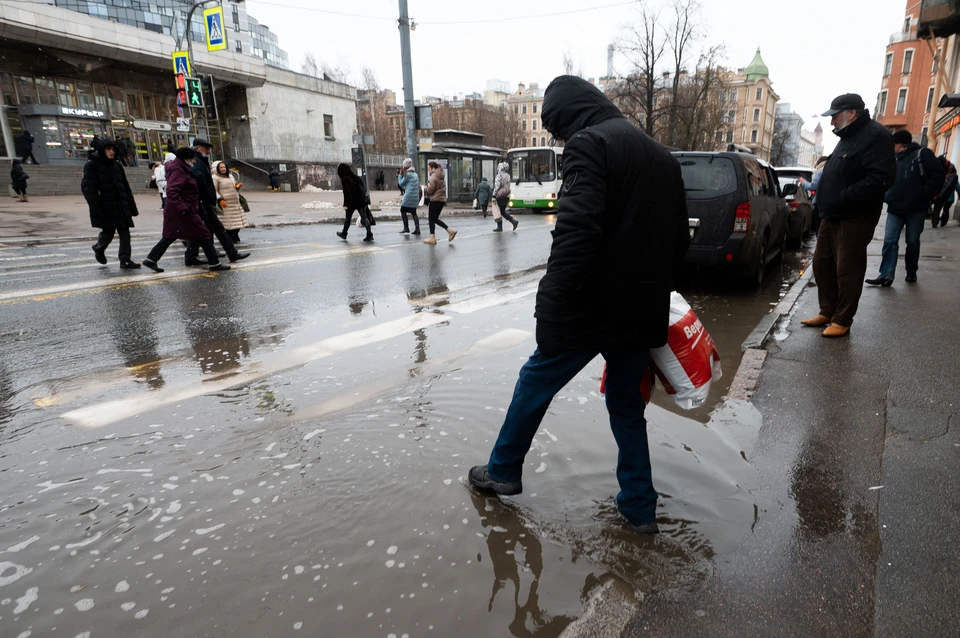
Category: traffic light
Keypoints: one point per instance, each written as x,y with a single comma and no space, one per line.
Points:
181,90
194,93
209,100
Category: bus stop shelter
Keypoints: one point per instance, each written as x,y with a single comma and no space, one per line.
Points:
465,161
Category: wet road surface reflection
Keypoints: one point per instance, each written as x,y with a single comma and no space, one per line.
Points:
252,462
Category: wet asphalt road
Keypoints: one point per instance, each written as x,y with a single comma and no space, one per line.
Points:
280,448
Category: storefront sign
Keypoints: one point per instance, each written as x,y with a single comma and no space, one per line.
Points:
181,62
147,125
213,23
67,110
183,124
426,143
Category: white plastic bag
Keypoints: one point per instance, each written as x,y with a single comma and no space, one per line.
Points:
687,365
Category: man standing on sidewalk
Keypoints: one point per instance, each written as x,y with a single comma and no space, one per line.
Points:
208,207
919,176
620,237
111,202
861,169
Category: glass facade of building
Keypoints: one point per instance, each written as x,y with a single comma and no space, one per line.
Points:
169,16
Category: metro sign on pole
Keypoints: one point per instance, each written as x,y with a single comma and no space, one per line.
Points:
194,93
216,34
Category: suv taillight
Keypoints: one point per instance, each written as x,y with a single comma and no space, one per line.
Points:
742,221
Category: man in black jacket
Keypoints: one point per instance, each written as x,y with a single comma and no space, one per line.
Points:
208,208
111,202
919,177
26,143
621,233
850,195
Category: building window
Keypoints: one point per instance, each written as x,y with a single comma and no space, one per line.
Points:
929,99
732,116
756,115
524,108
729,137
516,109
534,125
906,26
543,141
753,136
733,95
902,101
907,62
923,136
533,141
882,103
759,92
327,126
236,17
936,61
534,108
719,137
888,65
523,125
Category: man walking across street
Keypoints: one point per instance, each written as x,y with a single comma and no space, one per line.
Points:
919,177
854,181
208,203
111,202
620,237
26,144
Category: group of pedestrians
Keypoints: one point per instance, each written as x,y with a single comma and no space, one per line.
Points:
190,198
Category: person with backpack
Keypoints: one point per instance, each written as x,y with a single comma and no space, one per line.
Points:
941,205
919,177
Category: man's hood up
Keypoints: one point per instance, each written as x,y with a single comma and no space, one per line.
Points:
571,104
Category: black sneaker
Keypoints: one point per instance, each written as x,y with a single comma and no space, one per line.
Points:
152,265
416,232
481,480
219,266
912,279
129,265
196,262
515,224
647,529
342,235
880,281
405,231
368,238
100,254
238,256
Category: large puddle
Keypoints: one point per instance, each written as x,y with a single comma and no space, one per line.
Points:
262,483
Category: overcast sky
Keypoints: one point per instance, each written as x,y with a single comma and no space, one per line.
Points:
815,49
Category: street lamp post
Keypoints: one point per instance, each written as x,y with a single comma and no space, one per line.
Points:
408,108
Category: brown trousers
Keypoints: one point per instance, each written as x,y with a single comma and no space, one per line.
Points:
840,264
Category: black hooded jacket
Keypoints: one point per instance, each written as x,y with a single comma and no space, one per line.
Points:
919,177
107,192
208,192
859,172
17,175
621,231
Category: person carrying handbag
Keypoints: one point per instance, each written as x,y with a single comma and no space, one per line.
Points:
230,209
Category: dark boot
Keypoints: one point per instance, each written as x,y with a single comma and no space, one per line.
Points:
369,237
499,228
100,254
416,224
342,234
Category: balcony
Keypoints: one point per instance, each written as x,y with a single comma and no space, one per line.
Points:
903,36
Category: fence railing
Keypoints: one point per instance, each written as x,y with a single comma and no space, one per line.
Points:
278,153
386,161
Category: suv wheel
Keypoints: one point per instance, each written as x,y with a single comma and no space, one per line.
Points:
760,268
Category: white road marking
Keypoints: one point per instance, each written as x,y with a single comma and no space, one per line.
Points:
489,300
22,257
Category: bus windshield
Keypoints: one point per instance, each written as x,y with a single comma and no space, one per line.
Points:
533,166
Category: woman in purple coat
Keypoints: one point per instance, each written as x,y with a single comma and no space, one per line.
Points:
181,216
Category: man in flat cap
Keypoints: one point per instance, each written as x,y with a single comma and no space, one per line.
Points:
208,207
850,195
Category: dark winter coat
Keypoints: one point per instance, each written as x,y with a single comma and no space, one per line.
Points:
354,195
274,179
108,193
26,141
484,191
621,230
208,192
181,213
859,171
18,176
919,177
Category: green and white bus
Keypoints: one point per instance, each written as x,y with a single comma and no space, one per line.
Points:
536,174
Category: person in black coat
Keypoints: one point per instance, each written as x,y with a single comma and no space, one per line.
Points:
26,145
19,179
111,202
354,199
208,208
95,143
919,177
274,179
850,195
620,237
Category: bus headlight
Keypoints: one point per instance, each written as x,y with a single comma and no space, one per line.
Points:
549,204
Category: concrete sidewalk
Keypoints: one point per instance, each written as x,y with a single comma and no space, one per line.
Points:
856,526
68,217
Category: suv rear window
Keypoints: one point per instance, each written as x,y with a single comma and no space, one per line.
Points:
707,176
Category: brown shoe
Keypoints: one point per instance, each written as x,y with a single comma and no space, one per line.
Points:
816,322
836,330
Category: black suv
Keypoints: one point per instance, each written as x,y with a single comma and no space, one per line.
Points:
738,217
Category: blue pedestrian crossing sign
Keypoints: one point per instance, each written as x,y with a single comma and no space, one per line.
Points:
181,63
216,34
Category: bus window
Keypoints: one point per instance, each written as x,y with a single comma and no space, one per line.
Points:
533,166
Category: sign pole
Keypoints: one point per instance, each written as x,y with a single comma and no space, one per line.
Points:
408,107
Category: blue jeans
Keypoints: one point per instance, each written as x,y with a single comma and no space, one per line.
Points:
891,243
540,379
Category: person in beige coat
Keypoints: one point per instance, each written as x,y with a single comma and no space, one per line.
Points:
436,192
230,211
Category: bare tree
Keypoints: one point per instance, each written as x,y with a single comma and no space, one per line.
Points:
637,93
701,104
310,66
780,154
369,79
684,31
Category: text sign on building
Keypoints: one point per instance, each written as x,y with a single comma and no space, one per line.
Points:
194,93
216,34
181,62
66,110
149,125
